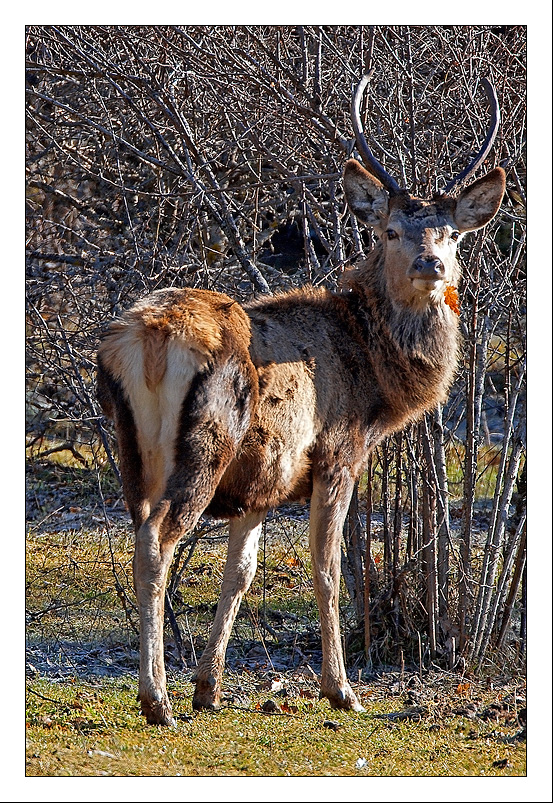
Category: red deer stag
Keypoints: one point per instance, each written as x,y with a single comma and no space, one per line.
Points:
230,410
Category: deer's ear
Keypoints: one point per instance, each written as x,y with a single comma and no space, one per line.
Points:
480,202
366,197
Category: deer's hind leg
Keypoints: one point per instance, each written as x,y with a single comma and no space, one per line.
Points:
214,418
188,493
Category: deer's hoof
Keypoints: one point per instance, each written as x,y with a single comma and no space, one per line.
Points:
343,699
207,696
158,712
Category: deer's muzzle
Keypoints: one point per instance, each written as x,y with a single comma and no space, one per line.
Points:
427,268
426,273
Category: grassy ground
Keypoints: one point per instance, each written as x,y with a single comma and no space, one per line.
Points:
83,729
83,719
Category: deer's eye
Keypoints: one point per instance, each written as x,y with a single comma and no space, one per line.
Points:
391,234
454,236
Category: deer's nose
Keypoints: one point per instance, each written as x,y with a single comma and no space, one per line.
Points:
428,267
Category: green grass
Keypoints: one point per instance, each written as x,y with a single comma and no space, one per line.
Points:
80,597
84,730
78,727
486,471
79,581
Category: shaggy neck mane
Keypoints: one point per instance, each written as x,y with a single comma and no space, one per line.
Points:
429,335
414,353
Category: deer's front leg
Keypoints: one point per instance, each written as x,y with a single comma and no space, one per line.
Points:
239,572
329,506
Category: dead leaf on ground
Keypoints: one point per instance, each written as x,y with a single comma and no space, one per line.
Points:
496,712
269,707
463,688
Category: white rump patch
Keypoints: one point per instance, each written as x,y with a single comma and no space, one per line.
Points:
156,412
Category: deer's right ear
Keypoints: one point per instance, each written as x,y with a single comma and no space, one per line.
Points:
366,197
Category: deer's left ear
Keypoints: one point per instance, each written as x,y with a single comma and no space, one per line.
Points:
480,202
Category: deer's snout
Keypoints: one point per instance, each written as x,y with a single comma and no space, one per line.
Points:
428,268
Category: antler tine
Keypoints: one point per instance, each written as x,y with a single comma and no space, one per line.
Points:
488,142
362,146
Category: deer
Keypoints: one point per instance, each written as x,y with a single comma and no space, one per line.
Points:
228,410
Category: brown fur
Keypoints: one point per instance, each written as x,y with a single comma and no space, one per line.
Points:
232,411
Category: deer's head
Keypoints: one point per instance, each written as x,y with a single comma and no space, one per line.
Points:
419,238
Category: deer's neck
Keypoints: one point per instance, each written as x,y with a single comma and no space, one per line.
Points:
413,353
